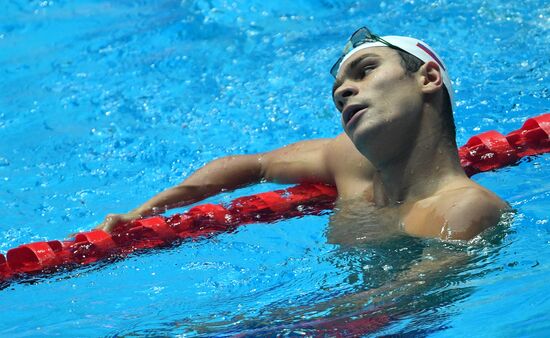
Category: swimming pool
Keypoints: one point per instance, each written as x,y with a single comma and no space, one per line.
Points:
105,103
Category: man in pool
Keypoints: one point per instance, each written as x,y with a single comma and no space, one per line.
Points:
398,152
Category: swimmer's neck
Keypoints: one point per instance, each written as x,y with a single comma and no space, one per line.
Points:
424,165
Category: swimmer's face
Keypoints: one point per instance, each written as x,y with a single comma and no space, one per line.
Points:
376,97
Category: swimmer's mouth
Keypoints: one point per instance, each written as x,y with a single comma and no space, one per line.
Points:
349,112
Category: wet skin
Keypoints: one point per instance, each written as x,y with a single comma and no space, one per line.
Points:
393,119
393,156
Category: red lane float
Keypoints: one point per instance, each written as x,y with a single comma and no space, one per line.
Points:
202,220
486,151
491,150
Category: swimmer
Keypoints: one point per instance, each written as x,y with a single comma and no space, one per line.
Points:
398,150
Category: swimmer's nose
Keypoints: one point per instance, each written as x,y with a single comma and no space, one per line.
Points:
343,93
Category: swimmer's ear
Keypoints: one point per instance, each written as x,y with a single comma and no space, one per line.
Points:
430,77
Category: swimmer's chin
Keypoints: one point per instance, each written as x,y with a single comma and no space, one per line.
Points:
367,132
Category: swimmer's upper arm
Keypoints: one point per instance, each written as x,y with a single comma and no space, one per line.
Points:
344,160
476,211
303,161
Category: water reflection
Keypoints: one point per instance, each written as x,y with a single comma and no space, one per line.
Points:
401,284
395,284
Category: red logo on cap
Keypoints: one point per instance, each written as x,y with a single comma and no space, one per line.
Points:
429,52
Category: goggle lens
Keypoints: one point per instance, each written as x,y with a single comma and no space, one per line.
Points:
361,36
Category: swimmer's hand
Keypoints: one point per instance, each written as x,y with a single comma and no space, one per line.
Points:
113,220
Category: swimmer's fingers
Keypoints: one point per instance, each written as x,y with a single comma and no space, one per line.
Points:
113,220
110,221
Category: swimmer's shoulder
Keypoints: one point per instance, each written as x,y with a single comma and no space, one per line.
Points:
459,213
470,210
351,170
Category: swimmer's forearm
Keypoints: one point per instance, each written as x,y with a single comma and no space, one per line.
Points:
299,162
224,174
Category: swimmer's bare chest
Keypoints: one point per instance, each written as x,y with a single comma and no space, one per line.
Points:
460,210
358,220
449,214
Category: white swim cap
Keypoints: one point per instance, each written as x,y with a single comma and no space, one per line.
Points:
412,46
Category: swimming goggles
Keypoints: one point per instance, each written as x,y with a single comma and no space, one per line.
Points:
361,36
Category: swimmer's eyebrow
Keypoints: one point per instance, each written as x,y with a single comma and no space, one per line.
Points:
350,67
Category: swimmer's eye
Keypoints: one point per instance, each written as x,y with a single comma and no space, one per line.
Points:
368,69
365,70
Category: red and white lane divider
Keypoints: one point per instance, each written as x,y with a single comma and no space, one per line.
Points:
486,151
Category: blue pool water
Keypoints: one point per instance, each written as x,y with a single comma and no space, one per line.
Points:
103,104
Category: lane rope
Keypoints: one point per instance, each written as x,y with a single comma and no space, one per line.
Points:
487,151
